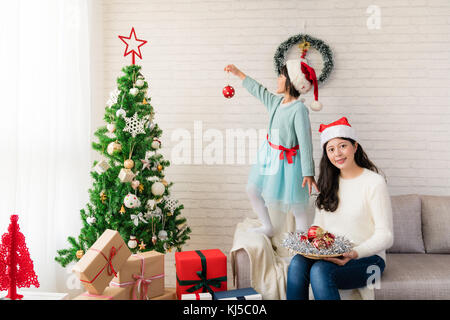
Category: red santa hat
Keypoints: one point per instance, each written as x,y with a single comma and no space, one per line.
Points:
303,78
338,129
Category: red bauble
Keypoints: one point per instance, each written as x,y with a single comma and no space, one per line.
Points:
319,243
228,92
315,232
329,239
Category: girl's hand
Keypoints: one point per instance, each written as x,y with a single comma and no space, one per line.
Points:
311,182
346,257
232,68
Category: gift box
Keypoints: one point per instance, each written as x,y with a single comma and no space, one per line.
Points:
197,296
110,293
200,271
126,175
143,275
169,294
238,294
102,262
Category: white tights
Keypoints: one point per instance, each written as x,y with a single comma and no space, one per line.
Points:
259,206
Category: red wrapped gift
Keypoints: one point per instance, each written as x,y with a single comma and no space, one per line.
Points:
201,271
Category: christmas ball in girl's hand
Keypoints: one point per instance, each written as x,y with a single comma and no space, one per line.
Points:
228,92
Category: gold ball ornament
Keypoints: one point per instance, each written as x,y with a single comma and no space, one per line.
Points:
80,254
159,167
128,164
114,147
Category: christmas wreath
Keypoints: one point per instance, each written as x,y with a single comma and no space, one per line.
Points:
306,41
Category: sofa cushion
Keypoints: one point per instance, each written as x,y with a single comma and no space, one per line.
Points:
407,221
436,223
415,276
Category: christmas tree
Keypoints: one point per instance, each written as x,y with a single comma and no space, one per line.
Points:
16,266
129,192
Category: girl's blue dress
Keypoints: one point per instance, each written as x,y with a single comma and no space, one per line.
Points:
279,181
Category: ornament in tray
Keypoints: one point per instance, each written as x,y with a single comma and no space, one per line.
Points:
317,243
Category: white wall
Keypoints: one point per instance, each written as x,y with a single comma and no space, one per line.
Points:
392,84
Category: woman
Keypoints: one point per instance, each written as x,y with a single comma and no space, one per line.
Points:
281,173
354,203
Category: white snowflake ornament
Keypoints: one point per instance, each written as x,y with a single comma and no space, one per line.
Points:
134,125
170,204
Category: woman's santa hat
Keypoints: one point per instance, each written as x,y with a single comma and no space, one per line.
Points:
338,129
303,77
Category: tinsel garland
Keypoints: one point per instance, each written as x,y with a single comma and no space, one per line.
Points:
319,45
295,245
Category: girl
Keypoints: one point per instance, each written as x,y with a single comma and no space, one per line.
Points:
285,159
354,203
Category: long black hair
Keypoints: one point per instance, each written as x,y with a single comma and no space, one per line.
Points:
288,86
328,182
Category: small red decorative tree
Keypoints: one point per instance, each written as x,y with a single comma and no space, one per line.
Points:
16,267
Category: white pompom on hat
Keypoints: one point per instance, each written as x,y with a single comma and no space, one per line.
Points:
303,77
337,129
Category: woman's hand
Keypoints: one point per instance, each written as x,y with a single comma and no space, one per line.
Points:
346,257
311,182
232,68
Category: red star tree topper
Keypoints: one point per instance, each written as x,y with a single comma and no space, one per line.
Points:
16,266
133,44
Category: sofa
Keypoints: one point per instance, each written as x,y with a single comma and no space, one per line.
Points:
417,264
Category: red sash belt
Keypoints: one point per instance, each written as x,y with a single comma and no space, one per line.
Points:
292,152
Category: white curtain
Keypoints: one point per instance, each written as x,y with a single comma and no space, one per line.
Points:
45,108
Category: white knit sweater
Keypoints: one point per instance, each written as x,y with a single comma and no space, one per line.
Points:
364,214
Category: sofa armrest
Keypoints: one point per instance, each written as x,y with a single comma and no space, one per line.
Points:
242,270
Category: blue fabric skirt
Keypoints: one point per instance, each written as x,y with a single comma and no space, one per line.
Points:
279,182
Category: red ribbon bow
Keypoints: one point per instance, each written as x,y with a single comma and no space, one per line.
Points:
292,152
111,270
109,265
141,285
341,121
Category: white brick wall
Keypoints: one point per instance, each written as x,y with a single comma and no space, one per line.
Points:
392,84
